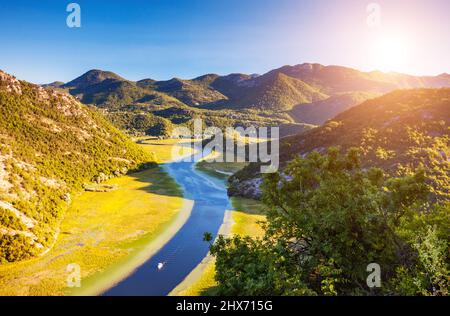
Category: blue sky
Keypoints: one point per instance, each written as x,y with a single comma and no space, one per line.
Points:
162,39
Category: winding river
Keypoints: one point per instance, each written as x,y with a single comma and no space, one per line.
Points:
176,259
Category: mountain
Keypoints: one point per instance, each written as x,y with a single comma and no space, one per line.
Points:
92,78
348,87
104,88
107,89
334,79
276,92
195,92
232,85
51,145
385,128
399,131
273,92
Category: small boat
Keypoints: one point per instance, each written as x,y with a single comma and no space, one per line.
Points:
160,265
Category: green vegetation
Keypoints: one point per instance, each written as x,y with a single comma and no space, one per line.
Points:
397,132
332,215
137,123
277,92
291,97
329,215
328,218
50,146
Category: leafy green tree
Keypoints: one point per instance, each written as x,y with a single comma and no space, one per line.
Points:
327,220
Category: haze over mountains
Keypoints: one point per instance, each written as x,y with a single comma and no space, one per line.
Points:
300,94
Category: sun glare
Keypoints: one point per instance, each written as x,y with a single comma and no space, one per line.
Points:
391,53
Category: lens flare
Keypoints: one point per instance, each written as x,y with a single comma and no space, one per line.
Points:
391,52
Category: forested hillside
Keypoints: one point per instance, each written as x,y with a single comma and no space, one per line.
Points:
50,146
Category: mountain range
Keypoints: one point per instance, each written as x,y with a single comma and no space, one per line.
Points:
300,95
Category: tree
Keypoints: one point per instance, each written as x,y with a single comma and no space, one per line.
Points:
327,220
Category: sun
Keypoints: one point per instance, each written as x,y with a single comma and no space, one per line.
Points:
391,53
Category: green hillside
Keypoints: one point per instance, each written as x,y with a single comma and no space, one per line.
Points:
370,188
50,146
90,78
398,132
149,107
194,92
277,92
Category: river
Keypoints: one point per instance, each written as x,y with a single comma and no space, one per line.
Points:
176,259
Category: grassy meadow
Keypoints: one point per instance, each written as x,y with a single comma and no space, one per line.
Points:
161,149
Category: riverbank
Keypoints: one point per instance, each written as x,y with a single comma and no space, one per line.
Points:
245,220
106,234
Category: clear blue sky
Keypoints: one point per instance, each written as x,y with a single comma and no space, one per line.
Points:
162,39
